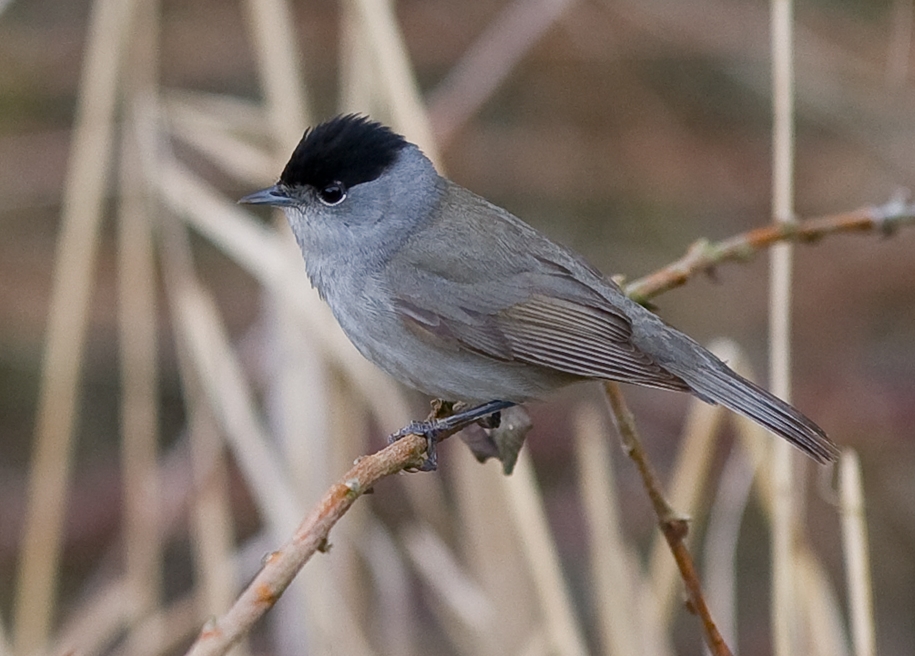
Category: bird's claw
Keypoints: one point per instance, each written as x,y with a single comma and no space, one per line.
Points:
430,431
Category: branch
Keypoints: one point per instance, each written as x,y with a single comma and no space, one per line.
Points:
281,566
673,526
703,256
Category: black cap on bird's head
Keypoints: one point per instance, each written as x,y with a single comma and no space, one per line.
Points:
350,149
344,151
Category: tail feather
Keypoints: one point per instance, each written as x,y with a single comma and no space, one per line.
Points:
719,384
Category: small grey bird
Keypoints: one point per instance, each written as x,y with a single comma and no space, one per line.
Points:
460,299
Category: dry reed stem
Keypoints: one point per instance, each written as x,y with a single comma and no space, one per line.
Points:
526,504
488,62
611,558
138,338
82,205
430,502
857,560
818,607
253,246
164,630
211,520
785,526
395,93
98,622
281,566
463,642
232,401
228,114
443,573
483,528
394,612
298,401
211,526
673,526
221,379
721,537
820,611
137,319
233,154
273,34
357,78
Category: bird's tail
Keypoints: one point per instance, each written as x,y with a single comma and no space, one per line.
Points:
717,383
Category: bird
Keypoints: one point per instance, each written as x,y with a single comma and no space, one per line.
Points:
460,299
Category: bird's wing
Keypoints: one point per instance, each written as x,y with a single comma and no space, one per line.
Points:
551,332
537,303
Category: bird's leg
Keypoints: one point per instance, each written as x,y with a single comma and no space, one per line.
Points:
438,428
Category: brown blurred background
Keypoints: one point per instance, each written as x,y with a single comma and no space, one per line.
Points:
627,131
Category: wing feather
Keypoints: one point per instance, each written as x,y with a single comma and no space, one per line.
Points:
554,333
539,303
580,339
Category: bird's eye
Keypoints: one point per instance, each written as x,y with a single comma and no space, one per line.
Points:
332,194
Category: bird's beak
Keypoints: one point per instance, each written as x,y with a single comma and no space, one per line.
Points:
269,196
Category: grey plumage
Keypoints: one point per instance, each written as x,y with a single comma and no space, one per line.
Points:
460,299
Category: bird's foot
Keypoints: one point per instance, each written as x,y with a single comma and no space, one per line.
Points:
426,429
438,427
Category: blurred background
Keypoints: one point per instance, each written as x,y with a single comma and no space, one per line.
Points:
624,129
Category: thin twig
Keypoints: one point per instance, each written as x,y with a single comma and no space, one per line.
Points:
703,256
673,526
686,486
281,566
